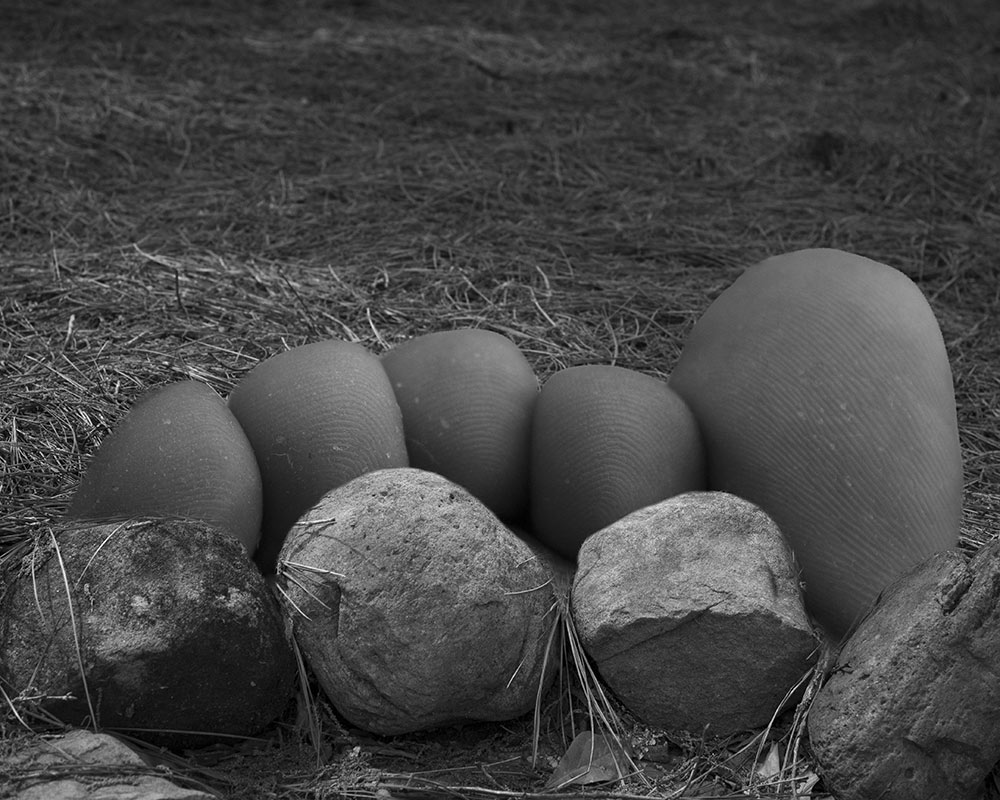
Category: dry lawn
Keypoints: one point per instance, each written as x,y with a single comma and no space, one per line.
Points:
186,188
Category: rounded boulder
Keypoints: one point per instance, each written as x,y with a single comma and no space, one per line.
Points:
415,606
692,611
160,628
910,707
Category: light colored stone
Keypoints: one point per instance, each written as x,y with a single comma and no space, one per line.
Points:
911,708
414,606
173,626
81,765
693,612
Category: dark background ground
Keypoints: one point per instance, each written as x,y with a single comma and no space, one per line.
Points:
187,188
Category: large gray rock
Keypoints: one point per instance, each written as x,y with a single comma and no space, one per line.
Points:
414,606
692,610
81,765
155,626
912,708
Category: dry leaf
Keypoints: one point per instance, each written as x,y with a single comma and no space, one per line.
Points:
590,759
805,787
770,767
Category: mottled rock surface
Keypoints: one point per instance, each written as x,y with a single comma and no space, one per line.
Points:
414,606
911,709
81,765
692,610
175,629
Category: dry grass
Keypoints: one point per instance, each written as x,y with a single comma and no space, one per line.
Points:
188,188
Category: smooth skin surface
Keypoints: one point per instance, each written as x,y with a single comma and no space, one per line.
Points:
821,385
607,441
467,398
317,416
180,452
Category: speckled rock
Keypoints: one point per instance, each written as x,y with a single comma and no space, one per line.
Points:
414,606
911,709
82,765
175,629
692,610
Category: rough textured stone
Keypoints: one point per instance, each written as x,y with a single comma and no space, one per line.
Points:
81,765
175,629
414,606
911,709
692,610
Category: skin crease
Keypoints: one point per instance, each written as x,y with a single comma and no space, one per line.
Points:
177,452
607,441
316,416
467,396
823,391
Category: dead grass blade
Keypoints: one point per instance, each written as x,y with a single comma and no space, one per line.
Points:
70,598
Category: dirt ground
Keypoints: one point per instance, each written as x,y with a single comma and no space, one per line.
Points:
188,188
